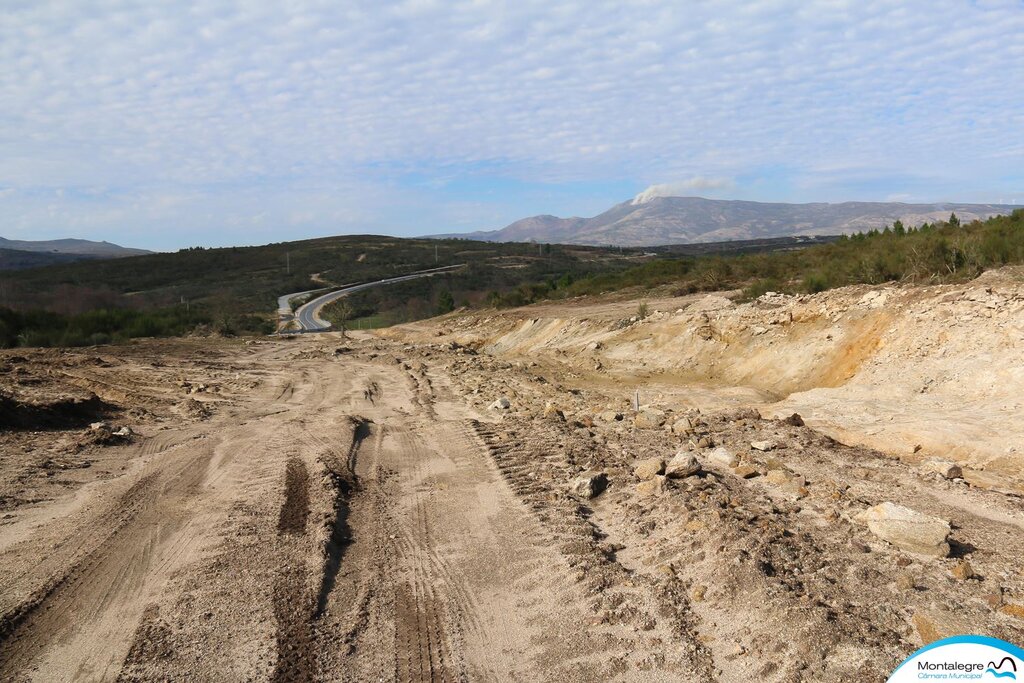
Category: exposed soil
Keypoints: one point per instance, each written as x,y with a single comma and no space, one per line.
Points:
299,510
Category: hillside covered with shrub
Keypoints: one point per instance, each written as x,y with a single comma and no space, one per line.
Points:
939,252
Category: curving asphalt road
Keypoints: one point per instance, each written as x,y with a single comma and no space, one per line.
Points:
308,314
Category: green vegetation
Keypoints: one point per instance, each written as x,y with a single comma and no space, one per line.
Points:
493,280
249,279
445,302
42,328
233,290
940,252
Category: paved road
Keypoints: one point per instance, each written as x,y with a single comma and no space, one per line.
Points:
308,314
284,306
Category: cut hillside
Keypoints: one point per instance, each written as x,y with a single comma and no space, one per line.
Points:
916,372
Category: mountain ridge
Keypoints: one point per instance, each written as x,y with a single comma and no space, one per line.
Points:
688,220
72,246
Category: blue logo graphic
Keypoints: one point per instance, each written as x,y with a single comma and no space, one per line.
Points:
996,669
966,657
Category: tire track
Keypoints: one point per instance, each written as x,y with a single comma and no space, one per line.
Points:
148,523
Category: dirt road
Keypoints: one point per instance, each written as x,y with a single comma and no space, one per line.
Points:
329,509
342,521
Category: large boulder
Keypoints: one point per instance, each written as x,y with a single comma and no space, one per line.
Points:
648,468
683,464
909,529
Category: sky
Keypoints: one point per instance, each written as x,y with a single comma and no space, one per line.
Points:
170,124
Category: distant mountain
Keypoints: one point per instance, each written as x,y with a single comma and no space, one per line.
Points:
72,246
649,221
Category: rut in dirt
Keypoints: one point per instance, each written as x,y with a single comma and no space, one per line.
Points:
146,513
345,484
296,606
295,510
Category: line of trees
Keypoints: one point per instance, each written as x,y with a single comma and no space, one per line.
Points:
105,326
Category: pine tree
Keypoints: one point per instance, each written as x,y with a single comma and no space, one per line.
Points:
445,302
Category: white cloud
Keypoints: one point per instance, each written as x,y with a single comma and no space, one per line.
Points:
217,101
681,188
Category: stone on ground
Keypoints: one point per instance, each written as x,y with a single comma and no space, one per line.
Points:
652,487
682,426
648,468
723,457
589,484
946,469
913,531
649,418
682,464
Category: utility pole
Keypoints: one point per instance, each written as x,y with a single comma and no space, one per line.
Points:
435,254
288,261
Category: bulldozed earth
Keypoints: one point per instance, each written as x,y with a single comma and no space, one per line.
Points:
797,488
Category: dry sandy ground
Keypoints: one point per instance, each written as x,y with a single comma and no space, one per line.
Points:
329,509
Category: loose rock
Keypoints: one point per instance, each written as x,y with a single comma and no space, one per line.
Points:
646,469
589,485
946,469
908,529
683,464
652,487
962,570
723,457
745,471
649,418
682,426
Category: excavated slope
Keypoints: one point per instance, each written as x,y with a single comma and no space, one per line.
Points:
914,371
